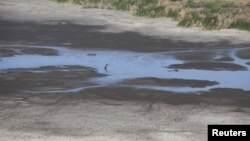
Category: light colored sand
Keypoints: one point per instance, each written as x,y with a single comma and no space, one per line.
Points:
104,120
44,11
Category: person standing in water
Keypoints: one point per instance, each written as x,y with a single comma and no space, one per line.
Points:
106,68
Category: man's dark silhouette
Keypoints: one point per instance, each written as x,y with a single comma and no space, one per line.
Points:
106,67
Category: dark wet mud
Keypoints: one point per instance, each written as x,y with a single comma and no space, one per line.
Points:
196,56
46,79
244,54
170,82
90,37
225,58
5,52
215,66
39,51
222,97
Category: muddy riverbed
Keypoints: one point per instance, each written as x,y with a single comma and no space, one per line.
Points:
68,73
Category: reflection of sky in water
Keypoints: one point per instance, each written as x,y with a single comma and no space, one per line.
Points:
131,65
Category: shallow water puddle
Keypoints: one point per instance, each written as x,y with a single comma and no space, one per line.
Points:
124,65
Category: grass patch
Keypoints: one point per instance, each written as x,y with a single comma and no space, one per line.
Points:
61,1
192,4
173,13
212,6
191,19
211,22
240,24
124,4
150,8
151,12
209,6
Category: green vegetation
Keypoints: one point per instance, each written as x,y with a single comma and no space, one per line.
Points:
61,0
151,11
192,4
241,24
173,13
123,4
208,14
191,19
211,22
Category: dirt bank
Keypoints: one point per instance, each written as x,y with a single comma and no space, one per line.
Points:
48,12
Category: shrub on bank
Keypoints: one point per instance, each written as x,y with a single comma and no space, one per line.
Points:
240,24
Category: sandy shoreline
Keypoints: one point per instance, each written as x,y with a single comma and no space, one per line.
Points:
114,112
75,117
